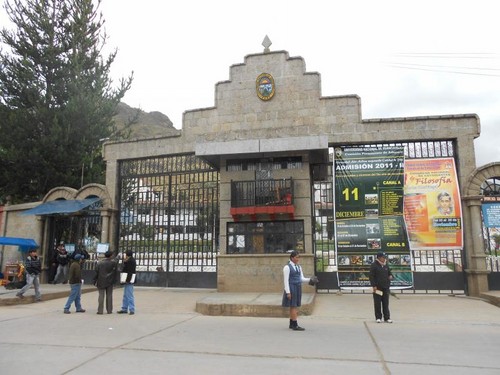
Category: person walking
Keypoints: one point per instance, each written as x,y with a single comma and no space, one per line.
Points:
75,283
380,280
128,302
61,259
104,279
33,267
292,295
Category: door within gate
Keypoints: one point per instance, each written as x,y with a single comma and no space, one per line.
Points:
169,209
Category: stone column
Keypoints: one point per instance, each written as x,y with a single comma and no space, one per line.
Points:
476,271
44,250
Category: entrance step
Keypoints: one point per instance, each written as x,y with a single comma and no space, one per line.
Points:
251,304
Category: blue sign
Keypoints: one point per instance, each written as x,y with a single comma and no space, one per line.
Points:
491,215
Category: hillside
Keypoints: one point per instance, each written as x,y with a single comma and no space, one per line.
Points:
149,124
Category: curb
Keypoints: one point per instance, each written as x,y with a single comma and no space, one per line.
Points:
10,301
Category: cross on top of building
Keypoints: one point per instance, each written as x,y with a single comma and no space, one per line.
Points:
266,43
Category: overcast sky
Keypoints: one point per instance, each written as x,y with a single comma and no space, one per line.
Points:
402,57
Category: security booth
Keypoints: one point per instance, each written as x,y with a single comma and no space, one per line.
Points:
13,272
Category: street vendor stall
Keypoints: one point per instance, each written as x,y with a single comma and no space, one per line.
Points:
13,273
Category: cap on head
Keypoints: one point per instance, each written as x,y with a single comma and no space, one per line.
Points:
78,256
381,254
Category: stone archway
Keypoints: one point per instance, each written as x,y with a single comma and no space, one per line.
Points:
90,190
53,224
476,270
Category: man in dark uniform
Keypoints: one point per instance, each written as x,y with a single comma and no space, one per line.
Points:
104,279
380,280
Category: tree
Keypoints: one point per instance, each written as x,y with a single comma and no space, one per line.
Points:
57,101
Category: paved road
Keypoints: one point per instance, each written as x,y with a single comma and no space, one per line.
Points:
434,334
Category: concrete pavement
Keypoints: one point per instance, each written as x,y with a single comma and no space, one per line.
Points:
431,334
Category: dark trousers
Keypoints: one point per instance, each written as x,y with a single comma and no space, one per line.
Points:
109,299
381,305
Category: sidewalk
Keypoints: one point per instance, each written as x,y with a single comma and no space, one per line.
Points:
431,334
49,292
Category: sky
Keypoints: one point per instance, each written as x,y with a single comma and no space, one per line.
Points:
403,58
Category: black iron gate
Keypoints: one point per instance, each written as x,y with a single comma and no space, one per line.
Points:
169,218
82,229
490,190
434,271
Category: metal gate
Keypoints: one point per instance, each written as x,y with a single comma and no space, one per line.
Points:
490,190
169,218
75,230
434,271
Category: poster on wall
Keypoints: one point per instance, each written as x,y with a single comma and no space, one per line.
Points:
369,192
491,214
433,213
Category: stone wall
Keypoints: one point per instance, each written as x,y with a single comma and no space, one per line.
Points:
262,273
14,224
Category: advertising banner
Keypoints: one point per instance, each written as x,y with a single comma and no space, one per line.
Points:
369,193
433,213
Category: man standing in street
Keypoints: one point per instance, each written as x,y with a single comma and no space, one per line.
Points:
129,265
75,282
104,279
33,267
380,280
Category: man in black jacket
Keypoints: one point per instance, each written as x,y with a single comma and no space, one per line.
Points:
104,279
380,280
128,302
33,267
61,260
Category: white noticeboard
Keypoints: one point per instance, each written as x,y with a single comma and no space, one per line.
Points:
102,248
70,248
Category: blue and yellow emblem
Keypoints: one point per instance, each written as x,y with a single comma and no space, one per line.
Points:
265,86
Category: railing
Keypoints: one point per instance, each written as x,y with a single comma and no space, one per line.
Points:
262,193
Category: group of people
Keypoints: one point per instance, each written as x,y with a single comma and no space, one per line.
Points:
104,279
107,268
293,277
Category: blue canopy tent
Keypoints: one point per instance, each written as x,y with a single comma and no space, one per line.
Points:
61,207
24,244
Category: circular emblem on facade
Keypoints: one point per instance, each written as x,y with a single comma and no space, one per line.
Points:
265,86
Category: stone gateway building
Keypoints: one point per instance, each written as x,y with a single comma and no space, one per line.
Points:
220,203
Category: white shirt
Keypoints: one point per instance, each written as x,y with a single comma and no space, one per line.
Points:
286,276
